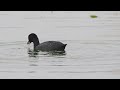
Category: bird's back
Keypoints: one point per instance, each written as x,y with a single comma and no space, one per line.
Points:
51,46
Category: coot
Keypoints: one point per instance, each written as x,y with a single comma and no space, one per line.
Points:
45,46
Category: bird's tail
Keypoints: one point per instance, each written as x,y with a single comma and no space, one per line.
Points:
65,45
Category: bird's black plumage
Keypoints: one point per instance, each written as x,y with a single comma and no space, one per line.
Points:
45,46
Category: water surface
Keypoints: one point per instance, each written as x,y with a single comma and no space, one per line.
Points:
93,49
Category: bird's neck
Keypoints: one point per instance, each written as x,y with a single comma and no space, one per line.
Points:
36,43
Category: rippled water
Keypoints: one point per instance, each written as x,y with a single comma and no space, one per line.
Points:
93,49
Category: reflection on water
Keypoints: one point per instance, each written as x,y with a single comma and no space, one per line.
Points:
33,53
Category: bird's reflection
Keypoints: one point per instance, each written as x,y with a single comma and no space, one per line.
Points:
57,53
32,53
35,54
